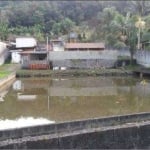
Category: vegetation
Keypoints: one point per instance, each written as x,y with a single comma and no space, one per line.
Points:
73,72
4,74
92,20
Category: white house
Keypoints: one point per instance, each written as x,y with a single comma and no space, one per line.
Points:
25,42
3,52
21,44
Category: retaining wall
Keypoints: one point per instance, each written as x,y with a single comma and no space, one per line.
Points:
83,59
129,131
7,79
95,63
126,137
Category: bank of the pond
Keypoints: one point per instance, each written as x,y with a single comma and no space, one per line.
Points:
7,79
7,74
73,72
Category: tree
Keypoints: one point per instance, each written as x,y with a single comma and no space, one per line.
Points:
56,28
140,7
66,25
131,35
3,31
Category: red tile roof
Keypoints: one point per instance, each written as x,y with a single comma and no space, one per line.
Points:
84,45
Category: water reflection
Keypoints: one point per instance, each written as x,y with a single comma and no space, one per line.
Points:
2,95
21,96
22,122
75,98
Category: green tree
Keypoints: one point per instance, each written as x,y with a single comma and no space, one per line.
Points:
66,25
4,31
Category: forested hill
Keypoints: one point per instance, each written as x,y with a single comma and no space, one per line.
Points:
91,20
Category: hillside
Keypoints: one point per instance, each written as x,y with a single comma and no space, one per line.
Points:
91,20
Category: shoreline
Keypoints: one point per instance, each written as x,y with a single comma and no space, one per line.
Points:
6,80
73,72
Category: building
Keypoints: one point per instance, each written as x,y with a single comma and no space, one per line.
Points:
84,46
73,37
34,60
15,56
31,55
19,45
57,45
3,52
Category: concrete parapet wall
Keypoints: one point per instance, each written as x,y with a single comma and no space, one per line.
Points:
69,127
92,63
130,135
83,59
69,55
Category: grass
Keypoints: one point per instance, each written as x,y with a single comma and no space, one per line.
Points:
131,67
123,58
4,70
4,74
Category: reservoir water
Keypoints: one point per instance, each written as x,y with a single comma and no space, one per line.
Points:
32,101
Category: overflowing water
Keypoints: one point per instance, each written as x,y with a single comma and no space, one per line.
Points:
32,101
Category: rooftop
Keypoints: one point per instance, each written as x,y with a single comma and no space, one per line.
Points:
84,45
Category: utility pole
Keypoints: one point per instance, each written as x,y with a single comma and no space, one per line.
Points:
47,49
140,25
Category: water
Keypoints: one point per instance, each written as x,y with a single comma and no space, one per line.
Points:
34,101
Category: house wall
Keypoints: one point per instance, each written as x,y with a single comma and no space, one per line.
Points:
84,49
15,57
33,61
78,55
3,52
58,48
25,42
143,58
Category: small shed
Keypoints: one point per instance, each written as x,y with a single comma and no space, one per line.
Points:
34,60
73,36
84,46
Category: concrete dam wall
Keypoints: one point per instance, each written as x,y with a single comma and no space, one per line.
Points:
129,131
